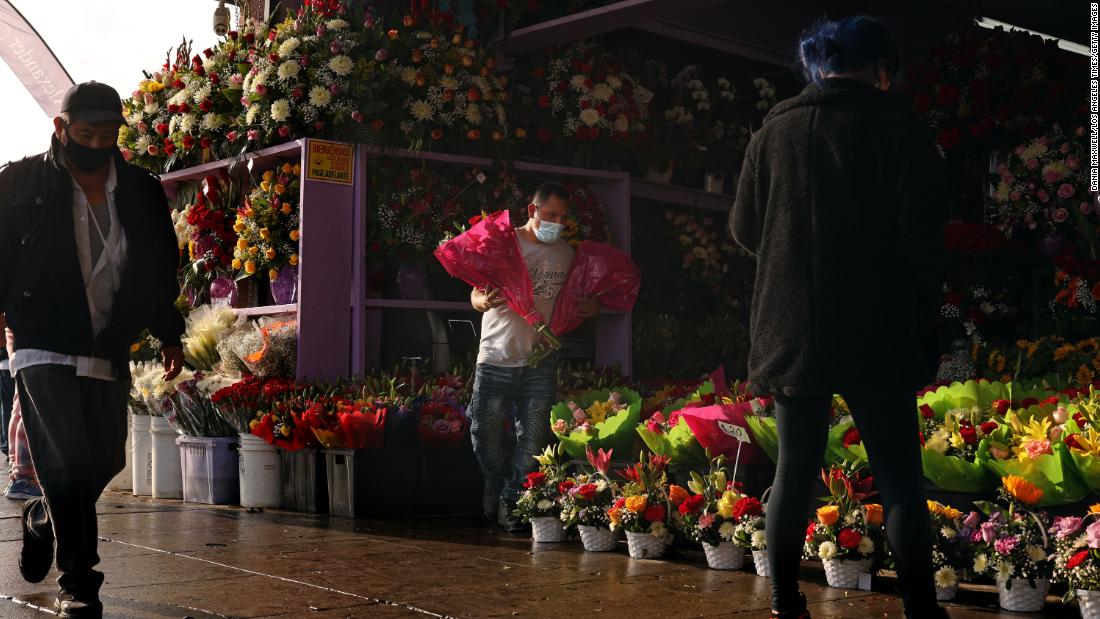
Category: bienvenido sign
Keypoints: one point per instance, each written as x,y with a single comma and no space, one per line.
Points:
32,60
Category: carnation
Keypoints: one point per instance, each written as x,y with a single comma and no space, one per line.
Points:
827,551
759,539
589,117
981,563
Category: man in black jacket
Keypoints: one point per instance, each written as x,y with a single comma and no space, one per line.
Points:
87,261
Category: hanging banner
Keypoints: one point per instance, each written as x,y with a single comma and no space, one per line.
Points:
32,60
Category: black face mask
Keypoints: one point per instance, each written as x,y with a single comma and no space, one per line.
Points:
86,158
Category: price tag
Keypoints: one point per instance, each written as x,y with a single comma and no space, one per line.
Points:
735,431
864,582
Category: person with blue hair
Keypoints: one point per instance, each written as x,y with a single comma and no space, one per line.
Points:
842,197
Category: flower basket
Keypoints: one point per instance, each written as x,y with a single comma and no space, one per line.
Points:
645,546
1089,602
845,574
946,594
724,556
1022,597
760,561
597,539
547,530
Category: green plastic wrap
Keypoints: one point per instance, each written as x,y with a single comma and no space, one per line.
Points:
1088,465
955,474
1056,473
836,452
613,433
978,393
764,434
678,444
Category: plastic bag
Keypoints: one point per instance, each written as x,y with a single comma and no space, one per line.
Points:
956,474
711,426
762,427
1056,473
598,270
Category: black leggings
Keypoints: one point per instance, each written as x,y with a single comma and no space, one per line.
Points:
888,425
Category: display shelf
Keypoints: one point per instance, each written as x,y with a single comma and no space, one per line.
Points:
266,310
680,196
615,16
260,159
413,304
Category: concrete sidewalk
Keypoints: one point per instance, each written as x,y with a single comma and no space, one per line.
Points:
173,559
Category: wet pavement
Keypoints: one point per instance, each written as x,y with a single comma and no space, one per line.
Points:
174,559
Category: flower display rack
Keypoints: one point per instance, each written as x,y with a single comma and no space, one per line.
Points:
339,327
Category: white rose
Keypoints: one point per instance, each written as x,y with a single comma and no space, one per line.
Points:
319,96
826,551
288,46
341,65
866,545
946,578
280,110
759,540
589,117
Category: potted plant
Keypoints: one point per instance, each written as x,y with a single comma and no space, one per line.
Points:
540,503
846,536
708,515
642,509
585,503
749,532
1077,559
949,548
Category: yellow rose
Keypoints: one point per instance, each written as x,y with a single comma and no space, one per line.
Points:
239,226
265,234
828,515
250,267
252,251
636,504
294,234
236,263
268,175
294,259
266,185
242,244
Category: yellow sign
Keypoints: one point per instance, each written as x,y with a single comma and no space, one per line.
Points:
330,162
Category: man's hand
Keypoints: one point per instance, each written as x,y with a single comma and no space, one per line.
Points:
485,300
588,307
173,361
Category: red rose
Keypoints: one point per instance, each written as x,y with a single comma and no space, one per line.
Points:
564,486
1077,559
947,94
544,101
969,434
693,504
1001,406
1071,441
169,147
926,411
849,538
162,128
473,94
654,513
587,492
188,142
1051,400
619,503
535,479
173,108
949,138
851,437
748,506
988,427
206,105
810,530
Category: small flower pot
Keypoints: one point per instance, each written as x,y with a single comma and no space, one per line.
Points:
645,546
946,594
597,539
547,530
760,561
1021,597
724,556
844,574
1089,602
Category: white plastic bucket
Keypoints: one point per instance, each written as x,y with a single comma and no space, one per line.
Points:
261,473
124,481
167,469
141,448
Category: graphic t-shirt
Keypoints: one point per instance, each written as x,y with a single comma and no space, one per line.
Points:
506,338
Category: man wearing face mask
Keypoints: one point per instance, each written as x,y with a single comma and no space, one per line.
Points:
88,260
503,378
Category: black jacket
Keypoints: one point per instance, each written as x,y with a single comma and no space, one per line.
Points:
843,200
41,286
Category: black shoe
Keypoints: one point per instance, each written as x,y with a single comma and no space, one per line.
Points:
799,612
36,558
507,519
68,606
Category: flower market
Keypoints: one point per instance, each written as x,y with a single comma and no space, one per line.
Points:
461,308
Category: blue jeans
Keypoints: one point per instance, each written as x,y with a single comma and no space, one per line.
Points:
533,391
7,396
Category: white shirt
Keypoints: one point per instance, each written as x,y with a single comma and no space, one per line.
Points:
102,280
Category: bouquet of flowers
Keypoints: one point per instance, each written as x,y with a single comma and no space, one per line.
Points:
1050,359
239,402
710,513
597,419
748,533
1082,436
1078,282
950,547
1029,445
642,509
671,436
761,422
949,448
1012,544
268,225
442,421
967,311
704,246
205,327
540,504
586,501
1076,556
280,422
342,422
203,227
450,94
845,530
414,208
193,413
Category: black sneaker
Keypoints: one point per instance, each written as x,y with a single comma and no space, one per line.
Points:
508,520
68,606
36,558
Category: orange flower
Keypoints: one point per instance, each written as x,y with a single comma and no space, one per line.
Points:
392,34
676,495
872,513
473,135
636,504
828,515
1094,508
1022,490
615,515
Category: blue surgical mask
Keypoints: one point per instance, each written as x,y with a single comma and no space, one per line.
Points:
548,232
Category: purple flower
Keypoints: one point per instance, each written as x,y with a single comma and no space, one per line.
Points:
1065,527
1092,535
1007,545
972,520
989,532
976,537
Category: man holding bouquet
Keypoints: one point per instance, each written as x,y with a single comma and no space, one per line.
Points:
503,377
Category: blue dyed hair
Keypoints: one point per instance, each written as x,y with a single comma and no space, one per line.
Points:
846,45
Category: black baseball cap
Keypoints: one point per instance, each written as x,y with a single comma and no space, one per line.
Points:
92,103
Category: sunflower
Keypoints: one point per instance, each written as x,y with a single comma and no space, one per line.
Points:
1022,490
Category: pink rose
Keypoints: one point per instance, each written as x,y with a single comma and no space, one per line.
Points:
231,136
1032,163
1051,177
1067,526
1092,535
1059,215
284,131
1060,414
1086,208
142,127
1072,162
1036,448
559,426
380,55
579,415
150,99
989,533
152,150
253,135
1065,191
126,154
972,520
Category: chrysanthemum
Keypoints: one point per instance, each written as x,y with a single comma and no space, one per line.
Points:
602,92
288,46
589,117
341,65
826,551
421,110
289,70
319,96
280,110
946,577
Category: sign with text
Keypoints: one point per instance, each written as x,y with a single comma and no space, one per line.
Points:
331,162
32,60
735,431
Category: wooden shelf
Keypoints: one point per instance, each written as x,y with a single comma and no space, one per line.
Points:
412,304
547,169
263,157
615,16
680,196
267,310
